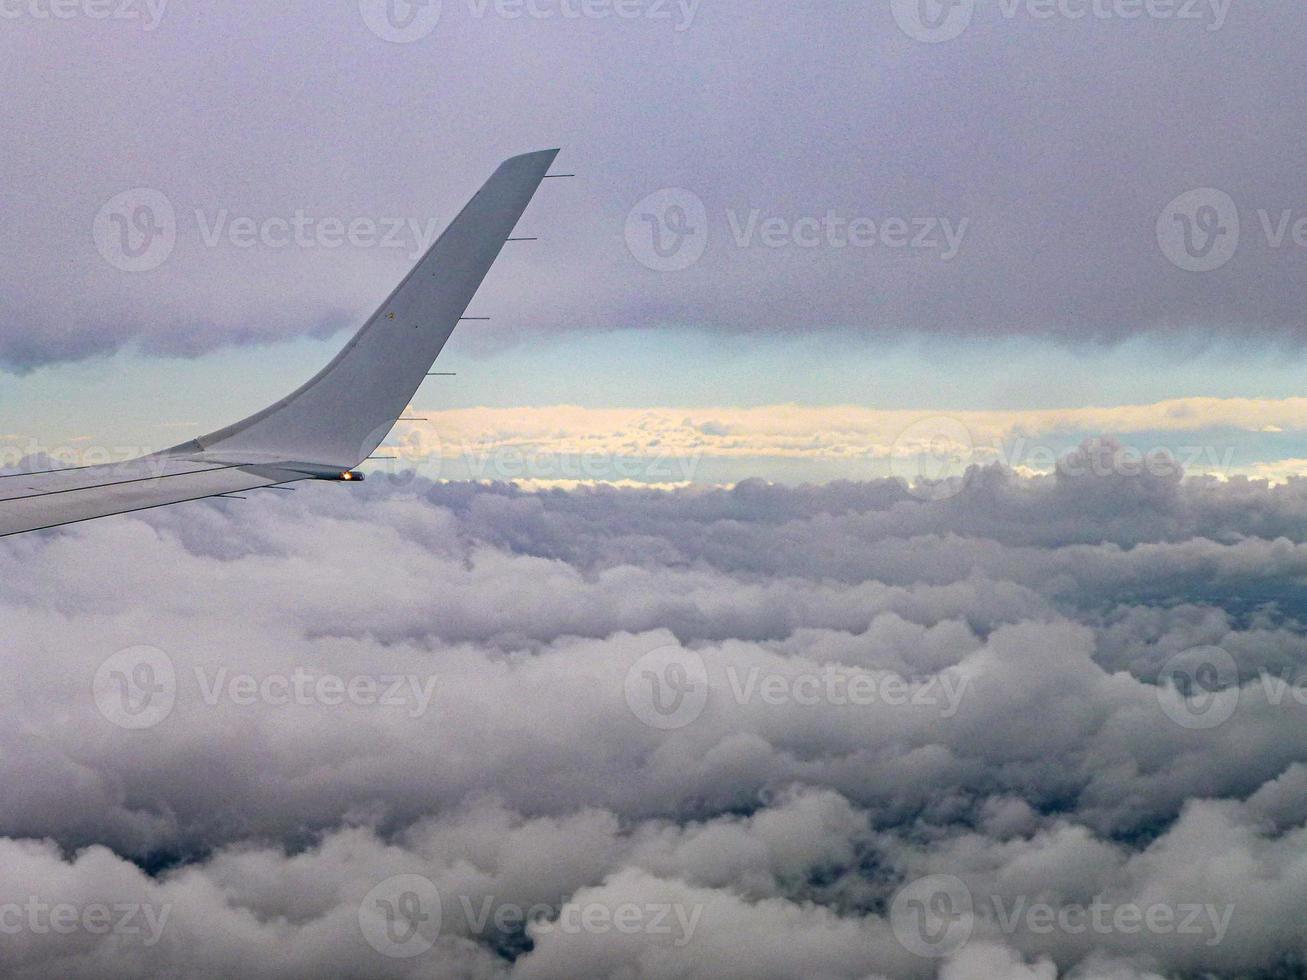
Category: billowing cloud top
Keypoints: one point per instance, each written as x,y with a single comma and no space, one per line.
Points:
1039,727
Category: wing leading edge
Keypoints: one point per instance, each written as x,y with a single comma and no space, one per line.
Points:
332,423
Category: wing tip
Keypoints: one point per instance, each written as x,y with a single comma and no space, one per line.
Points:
534,157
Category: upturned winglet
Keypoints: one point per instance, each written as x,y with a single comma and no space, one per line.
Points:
340,416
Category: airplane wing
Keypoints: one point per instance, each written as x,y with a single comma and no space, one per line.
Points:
331,424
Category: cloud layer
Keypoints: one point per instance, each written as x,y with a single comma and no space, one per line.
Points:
753,732
569,444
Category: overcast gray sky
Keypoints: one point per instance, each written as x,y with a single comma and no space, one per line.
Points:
1050,145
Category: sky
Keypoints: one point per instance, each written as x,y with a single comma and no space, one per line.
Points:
865,539
818,204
